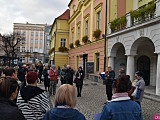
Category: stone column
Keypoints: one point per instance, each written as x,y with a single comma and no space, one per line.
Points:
111,62
158,76
130,66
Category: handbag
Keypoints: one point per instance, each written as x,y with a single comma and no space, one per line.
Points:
137,93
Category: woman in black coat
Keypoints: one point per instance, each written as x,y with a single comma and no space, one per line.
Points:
46,78
79,81
8,92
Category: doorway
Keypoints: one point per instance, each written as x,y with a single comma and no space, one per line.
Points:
143,65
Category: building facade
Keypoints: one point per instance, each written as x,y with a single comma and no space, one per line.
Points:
59,33
134,41
87,17
32,50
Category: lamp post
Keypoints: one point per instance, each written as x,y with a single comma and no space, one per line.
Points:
105,39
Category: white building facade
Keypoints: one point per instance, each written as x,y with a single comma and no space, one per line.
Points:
137,48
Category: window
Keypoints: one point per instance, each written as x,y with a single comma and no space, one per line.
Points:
31,41
97,61
48,37
41,41
31,49
86,27
23,49
41,34
72,36
36,41
98,20
18,49
36,33
63,42
32,33
35,49
41,50
24,33
78,33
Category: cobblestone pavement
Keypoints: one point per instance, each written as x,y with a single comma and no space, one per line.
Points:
93,98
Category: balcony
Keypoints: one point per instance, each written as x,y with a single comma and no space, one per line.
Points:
139,18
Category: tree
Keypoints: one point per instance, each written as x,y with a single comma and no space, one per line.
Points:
9,45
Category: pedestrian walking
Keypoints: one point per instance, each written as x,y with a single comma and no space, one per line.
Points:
109,78
46,78
32,100
53,74
69,75
121,107
79,81
65,101
9,88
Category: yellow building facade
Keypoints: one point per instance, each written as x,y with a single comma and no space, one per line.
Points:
59,40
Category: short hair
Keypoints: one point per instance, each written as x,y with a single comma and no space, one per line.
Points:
122,84
9,72
32,77
66,95
139,73
8,86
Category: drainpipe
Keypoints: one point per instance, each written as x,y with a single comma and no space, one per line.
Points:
105,39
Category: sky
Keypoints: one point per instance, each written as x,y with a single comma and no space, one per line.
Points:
31,11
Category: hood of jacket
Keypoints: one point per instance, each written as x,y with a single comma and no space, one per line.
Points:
29,92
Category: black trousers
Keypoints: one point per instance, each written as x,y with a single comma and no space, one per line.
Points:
109,91
79,90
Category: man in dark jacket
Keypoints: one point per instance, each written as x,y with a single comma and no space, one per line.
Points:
69,75
109,76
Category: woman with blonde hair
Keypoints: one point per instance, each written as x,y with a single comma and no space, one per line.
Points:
65,101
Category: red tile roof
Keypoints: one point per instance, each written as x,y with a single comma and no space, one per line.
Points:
65,15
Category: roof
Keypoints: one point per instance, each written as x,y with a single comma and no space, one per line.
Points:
65,15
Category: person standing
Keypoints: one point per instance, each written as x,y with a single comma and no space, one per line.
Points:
40,70
53,74
69,75
32,100
140,84
79,81
63,76
46,78
109,78
21,75
65,101
121,107
9,88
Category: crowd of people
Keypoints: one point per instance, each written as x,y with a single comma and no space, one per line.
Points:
25,100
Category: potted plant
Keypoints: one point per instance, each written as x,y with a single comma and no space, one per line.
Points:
71,45
97,33
85,39
63,49
77,43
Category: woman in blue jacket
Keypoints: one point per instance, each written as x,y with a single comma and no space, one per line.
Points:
121,107
65,101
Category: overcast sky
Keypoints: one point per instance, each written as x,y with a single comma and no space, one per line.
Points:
32,11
